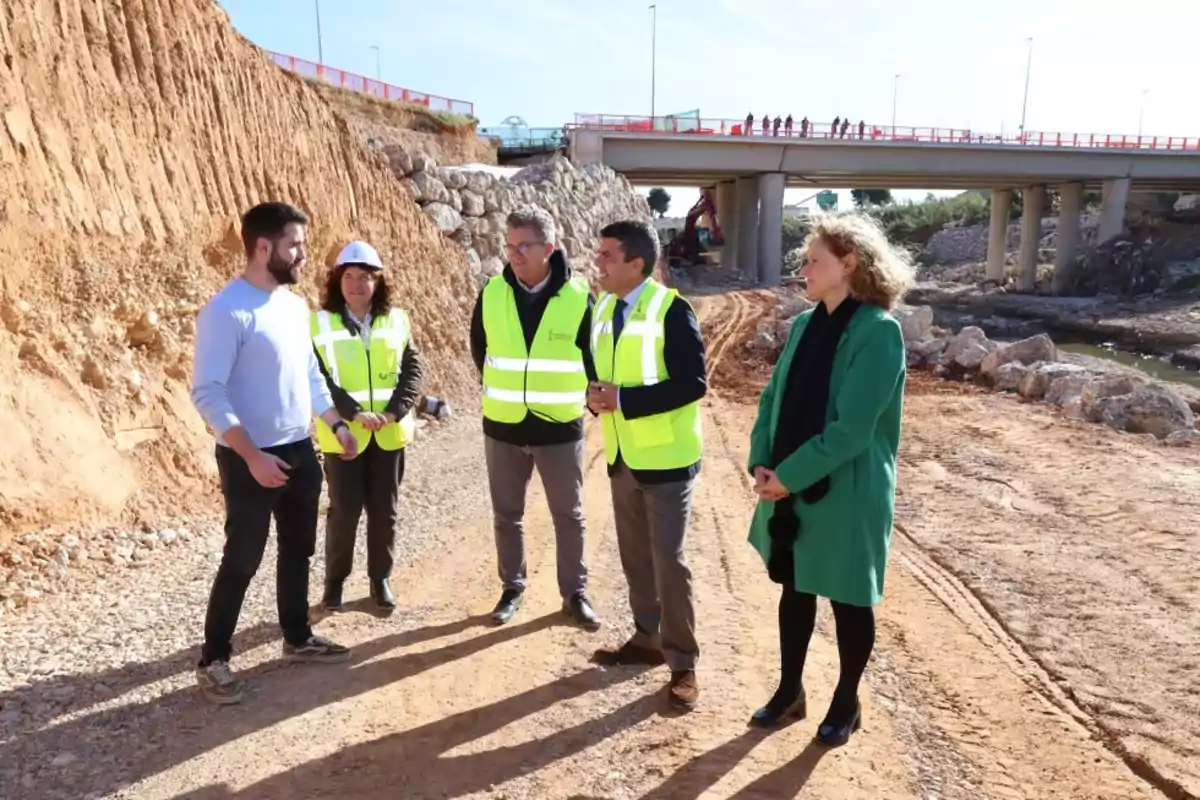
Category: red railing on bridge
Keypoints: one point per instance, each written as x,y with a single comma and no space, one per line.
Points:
879,133
358,83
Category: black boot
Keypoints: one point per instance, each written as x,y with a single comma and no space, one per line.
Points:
786,705
333,596
510,601
835,731
381,593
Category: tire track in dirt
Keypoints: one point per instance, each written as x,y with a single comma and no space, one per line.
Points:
989,627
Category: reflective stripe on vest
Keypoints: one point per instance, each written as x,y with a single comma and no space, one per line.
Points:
548,379
369,375
670,440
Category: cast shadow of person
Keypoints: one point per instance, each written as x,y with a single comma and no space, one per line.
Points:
414,764
143,739
700,774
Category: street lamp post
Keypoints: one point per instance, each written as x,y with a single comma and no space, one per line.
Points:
1142,111
1025,102
378,64
895,92
320,54
653,55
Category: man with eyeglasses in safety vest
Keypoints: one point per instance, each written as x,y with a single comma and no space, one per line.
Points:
529,340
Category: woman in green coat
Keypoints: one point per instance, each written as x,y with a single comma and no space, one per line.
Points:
823,456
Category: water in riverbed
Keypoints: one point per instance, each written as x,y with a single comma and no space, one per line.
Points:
1156,367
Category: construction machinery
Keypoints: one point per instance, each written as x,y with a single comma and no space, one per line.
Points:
688,247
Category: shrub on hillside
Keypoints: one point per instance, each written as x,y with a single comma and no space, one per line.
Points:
916,222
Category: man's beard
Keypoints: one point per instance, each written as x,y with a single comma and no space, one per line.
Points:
285,273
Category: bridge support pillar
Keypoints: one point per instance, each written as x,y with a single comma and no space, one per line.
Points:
770,228
1070,203
998,235
727,218
747,227
1031,237
1112,211
586,147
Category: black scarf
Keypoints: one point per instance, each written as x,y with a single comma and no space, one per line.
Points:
801,417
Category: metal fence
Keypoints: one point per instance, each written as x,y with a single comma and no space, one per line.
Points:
359,83
878,133
521,137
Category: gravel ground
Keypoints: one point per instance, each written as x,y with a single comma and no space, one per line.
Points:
79,663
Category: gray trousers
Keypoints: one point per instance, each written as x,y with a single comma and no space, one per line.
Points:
652,520
510,469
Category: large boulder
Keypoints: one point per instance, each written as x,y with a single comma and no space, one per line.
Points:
446,218
970,335
1155,409
1010,377
1037,377
927,352
399,160
423,162
1067,389
429,188
472,204
1027,351
915,321
1144,408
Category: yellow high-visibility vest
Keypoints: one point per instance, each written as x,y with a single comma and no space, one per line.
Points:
369,376
671,440
547,379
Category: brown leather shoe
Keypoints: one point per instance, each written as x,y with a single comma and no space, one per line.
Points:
629,653
685,691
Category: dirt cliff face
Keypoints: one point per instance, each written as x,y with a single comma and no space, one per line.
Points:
133,135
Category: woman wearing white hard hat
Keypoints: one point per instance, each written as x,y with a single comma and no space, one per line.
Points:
365,349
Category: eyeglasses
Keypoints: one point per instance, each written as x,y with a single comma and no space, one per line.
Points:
522,248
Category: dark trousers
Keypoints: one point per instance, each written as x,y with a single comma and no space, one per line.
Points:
370,481
248,509
855,641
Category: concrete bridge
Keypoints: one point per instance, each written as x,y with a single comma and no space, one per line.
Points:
751,171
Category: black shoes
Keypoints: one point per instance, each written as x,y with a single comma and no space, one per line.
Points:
784,706
578,608
333,597
381,593
835,732
510,601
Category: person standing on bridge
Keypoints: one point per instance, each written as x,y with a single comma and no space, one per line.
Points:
529,340
365,350
652,374
823,457
256,382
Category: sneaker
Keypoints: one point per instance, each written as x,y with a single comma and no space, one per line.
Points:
510,601
217,684
317,650
578,608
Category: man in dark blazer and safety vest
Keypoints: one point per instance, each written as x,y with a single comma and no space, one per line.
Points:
529,340
651,370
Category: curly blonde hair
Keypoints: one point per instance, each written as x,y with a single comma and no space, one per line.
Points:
884,272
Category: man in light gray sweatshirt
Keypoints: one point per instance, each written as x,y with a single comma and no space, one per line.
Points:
257,384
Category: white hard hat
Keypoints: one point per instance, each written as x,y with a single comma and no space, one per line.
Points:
360,254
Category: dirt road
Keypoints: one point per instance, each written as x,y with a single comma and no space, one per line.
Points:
437,704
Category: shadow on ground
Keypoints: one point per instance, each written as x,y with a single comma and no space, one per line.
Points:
113,748
414,764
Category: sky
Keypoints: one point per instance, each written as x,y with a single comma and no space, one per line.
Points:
1093,67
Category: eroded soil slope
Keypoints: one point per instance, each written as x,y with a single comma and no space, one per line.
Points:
413,128
133,134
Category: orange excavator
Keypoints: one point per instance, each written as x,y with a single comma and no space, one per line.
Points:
688,247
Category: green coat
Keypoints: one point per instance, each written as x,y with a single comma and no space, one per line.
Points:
842,550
